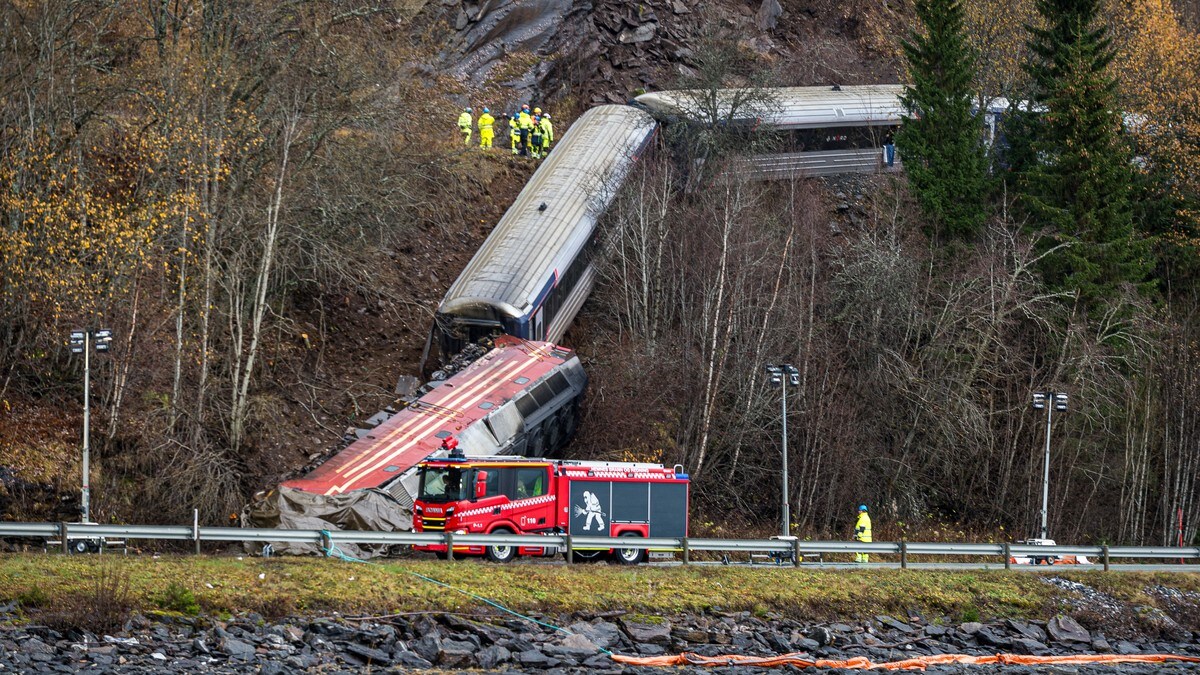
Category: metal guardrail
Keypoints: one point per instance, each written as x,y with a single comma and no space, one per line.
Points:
791,550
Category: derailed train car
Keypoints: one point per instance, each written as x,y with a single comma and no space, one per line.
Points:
535,269
521,398
823,130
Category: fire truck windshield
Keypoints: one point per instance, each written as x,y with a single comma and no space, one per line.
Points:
444,484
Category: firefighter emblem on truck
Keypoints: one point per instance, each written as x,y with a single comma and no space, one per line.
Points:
591,508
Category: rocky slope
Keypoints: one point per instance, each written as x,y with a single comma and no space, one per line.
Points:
580,54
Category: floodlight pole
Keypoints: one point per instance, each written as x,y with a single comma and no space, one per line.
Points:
784,524
86,422
1046,467
1049,400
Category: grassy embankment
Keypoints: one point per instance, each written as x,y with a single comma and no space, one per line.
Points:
278,587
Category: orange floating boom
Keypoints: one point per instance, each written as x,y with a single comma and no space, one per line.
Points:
800,660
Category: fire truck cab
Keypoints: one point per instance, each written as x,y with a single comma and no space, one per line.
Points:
518,495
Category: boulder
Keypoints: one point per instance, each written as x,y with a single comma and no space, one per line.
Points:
535,659
894,624
493,656
821,635
1029,646
237,649
372,656
1063,628
643,33
1026,630
411,660
988,636
646,630
602,633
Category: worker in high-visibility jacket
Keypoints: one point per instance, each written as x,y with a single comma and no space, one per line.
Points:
514,133
547,133
535,138
486,133
862,532
524,126
464,125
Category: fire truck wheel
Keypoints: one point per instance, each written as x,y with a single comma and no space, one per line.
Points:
501,554
629,556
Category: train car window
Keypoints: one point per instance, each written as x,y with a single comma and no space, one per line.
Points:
558,383
542,394
527,406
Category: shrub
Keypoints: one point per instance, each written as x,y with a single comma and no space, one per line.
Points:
33,598
178,598
103,607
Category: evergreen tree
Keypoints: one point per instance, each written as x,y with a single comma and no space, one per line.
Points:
1080,183
940,140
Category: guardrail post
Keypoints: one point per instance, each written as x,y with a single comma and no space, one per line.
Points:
196,529
327,543
687,551
1104,554
1007,557
62,538
796,552
904,555
449,545
570,550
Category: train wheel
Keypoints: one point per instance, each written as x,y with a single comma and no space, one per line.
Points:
629,556
501,554
554,435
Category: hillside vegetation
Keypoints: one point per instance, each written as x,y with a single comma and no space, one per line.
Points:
265,202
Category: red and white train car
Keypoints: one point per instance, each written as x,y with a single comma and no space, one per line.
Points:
521,397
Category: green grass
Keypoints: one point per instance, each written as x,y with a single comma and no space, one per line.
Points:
222,585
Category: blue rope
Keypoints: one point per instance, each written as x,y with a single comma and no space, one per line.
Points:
334,552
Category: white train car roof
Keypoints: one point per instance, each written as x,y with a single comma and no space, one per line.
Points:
799,107
575,183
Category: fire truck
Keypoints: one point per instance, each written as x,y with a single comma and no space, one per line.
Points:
519,495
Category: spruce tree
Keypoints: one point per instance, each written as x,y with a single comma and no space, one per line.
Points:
940,140
1079,184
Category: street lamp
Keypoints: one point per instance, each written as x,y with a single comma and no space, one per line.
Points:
1057,401
82,342
784,375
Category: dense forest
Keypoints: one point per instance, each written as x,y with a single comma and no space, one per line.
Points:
264,202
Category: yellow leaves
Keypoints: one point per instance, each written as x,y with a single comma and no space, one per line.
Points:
1159,70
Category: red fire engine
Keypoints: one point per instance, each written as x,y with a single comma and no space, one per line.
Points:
517,495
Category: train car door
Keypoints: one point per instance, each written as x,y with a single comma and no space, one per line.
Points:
538,333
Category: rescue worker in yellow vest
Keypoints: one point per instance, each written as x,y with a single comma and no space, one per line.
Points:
464,125
524,126
535,138
486,134
514,133
547,134
862,532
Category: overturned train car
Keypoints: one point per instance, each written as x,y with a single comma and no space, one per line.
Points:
520,398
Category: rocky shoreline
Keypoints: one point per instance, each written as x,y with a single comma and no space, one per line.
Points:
494,641
404,643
